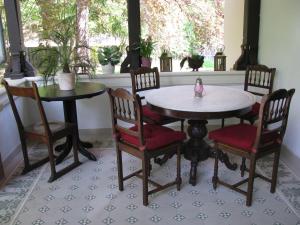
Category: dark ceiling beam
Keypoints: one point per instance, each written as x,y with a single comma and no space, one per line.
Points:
250,35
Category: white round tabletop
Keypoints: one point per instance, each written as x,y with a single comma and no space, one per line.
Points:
217,102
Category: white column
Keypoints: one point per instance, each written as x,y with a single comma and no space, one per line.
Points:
233,30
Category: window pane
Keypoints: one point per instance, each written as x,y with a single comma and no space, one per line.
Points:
184,28
103,22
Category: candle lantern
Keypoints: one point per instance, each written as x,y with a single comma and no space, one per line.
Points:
165,61
220,60
166,64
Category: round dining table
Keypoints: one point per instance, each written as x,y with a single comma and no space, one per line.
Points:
82,90
217,102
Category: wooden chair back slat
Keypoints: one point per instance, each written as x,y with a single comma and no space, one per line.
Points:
26,92
144,79
259,76
21,91
273,117
127,108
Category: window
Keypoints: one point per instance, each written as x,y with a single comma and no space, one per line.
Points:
101,23
184,28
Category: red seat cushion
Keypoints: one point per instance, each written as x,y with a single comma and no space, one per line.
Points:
155,136
255,108
240,136
154,116
254,111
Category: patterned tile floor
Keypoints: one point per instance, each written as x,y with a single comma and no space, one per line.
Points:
90,195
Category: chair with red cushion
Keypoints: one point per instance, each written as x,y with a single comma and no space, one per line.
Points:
258,81
144,141
144,79
253,142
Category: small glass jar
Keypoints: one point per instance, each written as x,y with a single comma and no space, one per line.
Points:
198,88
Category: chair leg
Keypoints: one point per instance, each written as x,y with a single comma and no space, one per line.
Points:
251,181
216,168
25,157
243,167
182,125
120,169
274,172
223,122
178,176
145,162
52,162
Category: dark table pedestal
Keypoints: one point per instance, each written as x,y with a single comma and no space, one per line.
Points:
196,149
70,113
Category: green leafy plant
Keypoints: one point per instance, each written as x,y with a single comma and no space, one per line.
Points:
63,35
109,54
146,47
46,62
195,61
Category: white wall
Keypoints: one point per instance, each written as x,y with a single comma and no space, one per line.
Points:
279,47
9,135
233,30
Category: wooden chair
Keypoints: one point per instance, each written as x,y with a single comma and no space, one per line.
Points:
142,141
144,79
253,142
44,132
259,81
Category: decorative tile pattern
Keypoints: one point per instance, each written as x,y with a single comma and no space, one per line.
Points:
90,195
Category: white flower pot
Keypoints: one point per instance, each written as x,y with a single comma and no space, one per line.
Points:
66,81
108,69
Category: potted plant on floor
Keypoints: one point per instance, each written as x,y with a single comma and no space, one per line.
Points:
146,48
108,57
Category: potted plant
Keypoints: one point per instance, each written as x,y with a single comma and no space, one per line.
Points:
64,39
63,36
195,61
146,49
108,57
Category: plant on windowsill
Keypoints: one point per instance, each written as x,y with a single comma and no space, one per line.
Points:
108,57
195,61
146,48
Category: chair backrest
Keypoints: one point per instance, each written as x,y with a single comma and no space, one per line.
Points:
144,79
273,118
127,108
26,92
260,78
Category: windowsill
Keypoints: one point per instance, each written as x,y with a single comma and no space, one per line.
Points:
174,74
123,79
